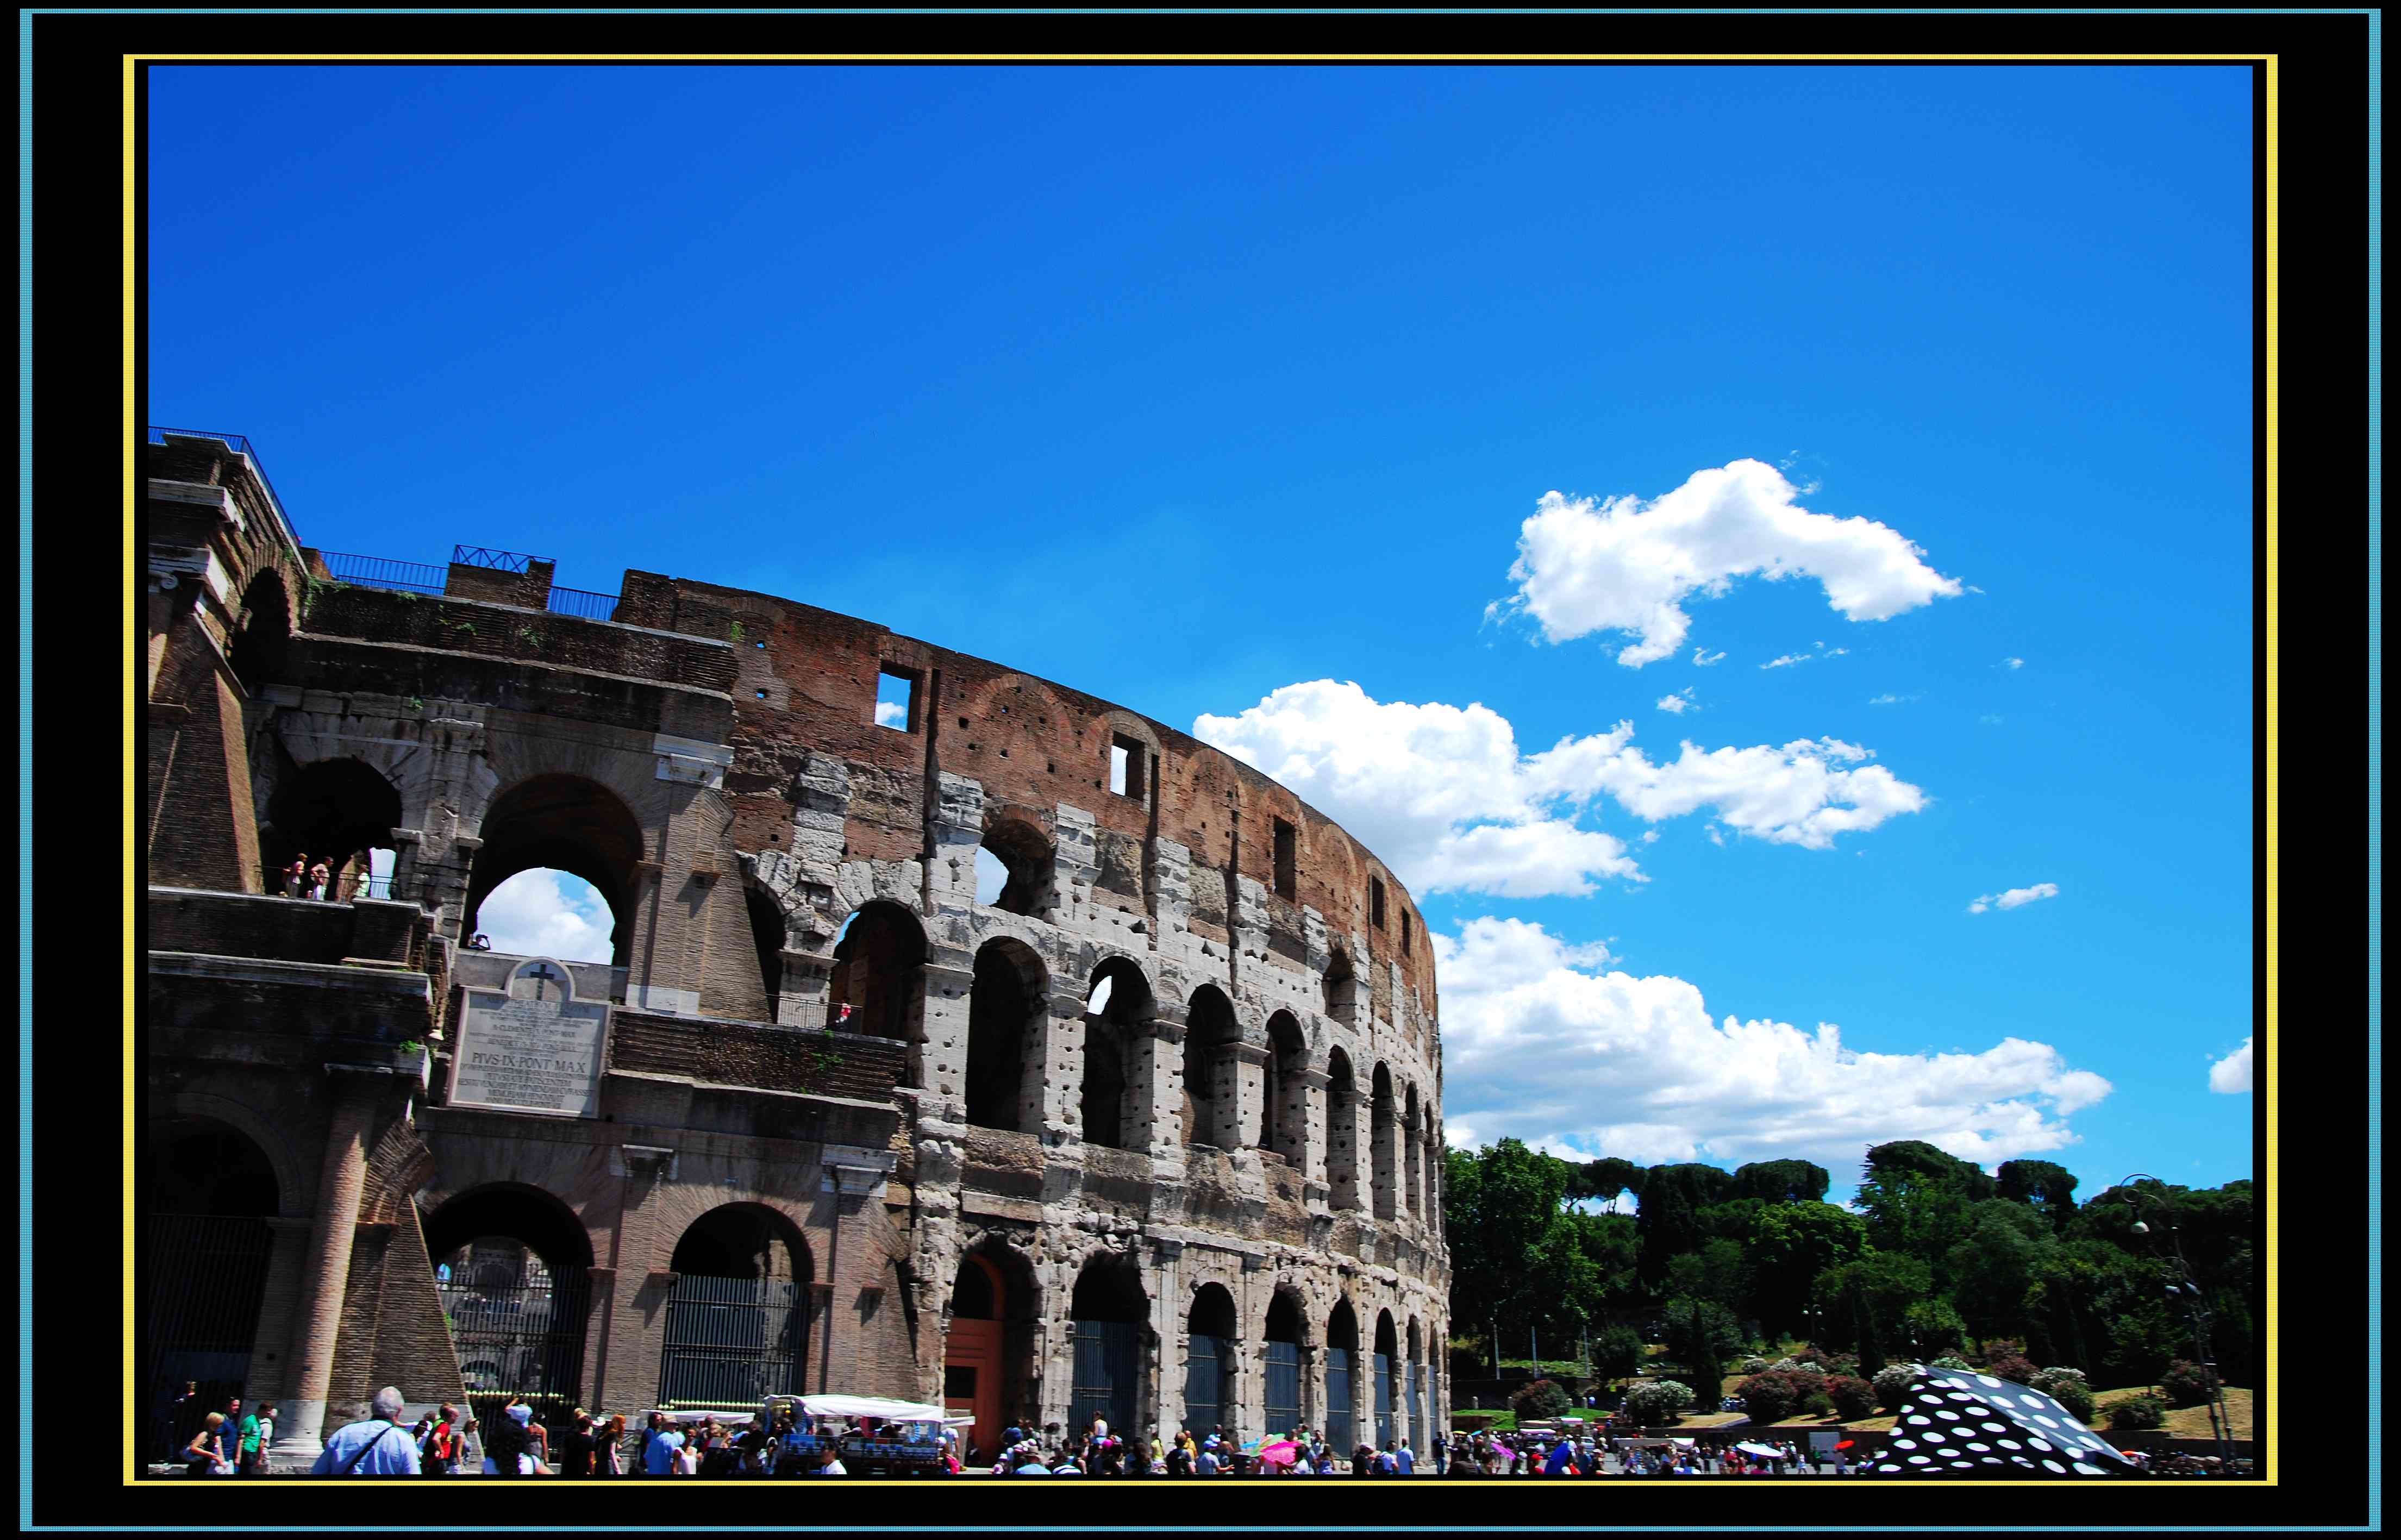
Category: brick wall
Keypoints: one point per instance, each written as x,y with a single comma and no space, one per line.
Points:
465,627
773,1058
250,926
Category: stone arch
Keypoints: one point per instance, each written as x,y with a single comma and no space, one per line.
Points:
334,809
567,823
510,1262
1284,1339
1341,1131
1006,1010
1381,1113
744,1240
1385,1373
1341,988
1112,1347
295,1193
1283,1108
261,651
1211,1032
988,1348
878,976
1113,1108
1213,1352
1412,1157
1343,1376
209,1191
737,1314
1414,1385
1031,856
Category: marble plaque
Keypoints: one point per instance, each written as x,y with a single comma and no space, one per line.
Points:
532,1047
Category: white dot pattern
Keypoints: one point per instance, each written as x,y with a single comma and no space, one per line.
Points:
1982,1414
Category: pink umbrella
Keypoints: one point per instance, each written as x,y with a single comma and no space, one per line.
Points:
1283,1451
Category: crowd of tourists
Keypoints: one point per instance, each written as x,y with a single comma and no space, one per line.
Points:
308,879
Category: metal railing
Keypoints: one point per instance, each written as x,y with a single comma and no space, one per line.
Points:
582,603
412,577
485,555
242,446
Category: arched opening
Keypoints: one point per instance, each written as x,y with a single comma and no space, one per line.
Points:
1027,856
1341,1366
1108,1318
1211,1359
510,1264
767,937
737,1314
1412,1168
1341,989
879,980
262,647
1341,1132
1011,991
1210,1102
1283,1117
1413,1385
1286,1329
1386,1371
567,824
1110,1112
341,812
209,1192
988,1357
1381,1110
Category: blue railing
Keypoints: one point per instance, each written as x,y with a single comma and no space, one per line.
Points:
582,603
239,446
485,555
414,577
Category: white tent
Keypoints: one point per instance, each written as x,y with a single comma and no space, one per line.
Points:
879,1409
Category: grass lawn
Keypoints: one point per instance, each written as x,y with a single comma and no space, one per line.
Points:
2184,1421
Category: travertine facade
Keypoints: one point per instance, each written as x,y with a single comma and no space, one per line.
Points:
1198,1194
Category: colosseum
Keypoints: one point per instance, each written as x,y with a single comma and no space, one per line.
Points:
1154,1134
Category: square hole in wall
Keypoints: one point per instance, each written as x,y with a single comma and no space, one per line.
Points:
896,700
1376,903
1127,776
1287,860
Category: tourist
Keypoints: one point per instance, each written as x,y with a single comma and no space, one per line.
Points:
509,1450
363,883
1205,1463
575,1448
205,1454
317,877
296,874
252,1437
1405,1463
470,1446
437,1446
830,1462
368,1447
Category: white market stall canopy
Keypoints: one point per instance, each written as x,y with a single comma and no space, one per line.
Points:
877,1408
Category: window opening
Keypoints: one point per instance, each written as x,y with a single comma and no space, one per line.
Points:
1287,862
1404,933
895,699
1376,903
1126,775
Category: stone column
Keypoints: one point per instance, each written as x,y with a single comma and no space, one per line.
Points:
950,984
1385,1163
341,1182
1054,1066
1246,1073
1155,1075
1310,1090
1167,1322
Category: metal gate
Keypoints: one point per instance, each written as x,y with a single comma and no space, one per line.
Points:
1104,1384
1341,1432
1206,1376
1384,1400
1283,1388
733,1341
525,1340
204,1278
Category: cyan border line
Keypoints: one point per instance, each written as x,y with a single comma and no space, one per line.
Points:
2375,758
25,735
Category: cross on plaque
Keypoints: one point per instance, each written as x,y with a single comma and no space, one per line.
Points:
542,974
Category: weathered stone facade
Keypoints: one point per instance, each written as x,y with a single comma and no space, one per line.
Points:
816,1021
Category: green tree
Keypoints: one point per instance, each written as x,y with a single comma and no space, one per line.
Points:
2050,1190
1701,1335
1618,1353
1997,1265
1879,1288
1791,1244
1782,1181
1672,1196
1917,1199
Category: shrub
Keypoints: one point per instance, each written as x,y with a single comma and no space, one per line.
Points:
1770,1398
1541,1400
1947,1361
1811,1354
1654,1403
1841,1363
2075,1396
1852,1396
2185,1384
1617,1352
2139,1411
2015,1370
1817,1404
1752,1364
1794,1366
1893,1382
2046,1379
1998,1349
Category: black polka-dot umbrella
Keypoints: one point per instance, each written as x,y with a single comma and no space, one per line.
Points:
1961,1423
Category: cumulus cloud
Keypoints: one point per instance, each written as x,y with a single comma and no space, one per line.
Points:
2014,897
1625,565
1443,794
1674,704
1541,1043
2230,1076
891,713
547,913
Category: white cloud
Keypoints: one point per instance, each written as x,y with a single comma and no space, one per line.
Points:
1623,564
1650,836
2230,1076
1444,795
1703,657
1787,661
1540,1043
2014,897
547,913
891,713
2014,663
1674,704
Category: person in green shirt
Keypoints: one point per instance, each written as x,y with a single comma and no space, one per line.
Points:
257,1433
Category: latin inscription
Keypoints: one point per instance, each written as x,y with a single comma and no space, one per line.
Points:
534,1056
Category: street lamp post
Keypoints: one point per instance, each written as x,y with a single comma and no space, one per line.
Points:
2184,1285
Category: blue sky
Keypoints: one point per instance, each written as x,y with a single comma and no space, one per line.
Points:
1189,387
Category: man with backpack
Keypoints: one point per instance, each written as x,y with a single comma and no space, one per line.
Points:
437,1451
375,1446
